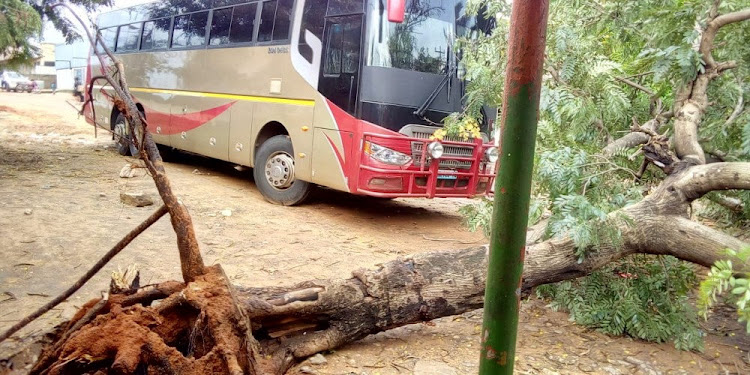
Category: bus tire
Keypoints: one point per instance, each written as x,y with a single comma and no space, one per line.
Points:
274,173
122,135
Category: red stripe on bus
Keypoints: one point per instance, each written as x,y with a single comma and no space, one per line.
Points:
342,161
178,123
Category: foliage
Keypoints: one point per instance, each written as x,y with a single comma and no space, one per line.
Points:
458,127
644,297
478,216
480,62
723,278
18,23
21,22
593,47
57,18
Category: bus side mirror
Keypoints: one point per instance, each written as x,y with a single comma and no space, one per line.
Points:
396,10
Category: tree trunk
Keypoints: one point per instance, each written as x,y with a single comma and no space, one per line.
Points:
291,323
322,315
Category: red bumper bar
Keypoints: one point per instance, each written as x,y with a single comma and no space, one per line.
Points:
479,170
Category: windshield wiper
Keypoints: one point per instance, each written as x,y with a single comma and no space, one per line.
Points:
452,68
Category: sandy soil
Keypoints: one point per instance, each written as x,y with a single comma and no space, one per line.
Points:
60,209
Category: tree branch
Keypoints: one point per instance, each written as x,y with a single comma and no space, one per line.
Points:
730,203
636,85
740,104
191,260
89,274
696,181
639,137
725,19
707,40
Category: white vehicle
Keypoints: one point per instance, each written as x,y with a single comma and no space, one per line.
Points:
14,81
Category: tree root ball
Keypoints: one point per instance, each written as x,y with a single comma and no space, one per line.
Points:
198,329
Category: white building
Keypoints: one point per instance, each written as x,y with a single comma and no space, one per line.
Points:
43,70
70,63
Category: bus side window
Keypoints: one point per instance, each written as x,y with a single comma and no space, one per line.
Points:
220,27
127,38
190,30
155,34
179,31
197,29
282,20
222,3
109,37
243,23
265,30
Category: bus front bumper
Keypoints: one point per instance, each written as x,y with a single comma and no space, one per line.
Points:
465,173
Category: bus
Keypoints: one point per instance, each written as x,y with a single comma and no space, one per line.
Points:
344,94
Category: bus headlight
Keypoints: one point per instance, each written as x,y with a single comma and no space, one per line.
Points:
492,154
435,149
386,155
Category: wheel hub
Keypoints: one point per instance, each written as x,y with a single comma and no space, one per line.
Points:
121,133
280,170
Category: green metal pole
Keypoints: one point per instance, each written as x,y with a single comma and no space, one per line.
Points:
528,28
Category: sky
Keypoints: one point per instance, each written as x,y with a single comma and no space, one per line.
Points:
51,35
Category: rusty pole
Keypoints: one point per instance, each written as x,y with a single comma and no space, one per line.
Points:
528,28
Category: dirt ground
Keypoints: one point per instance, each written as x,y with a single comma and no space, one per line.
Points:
60,209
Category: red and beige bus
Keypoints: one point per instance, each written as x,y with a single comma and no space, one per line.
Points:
338,93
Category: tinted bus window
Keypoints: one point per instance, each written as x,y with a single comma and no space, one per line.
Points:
155,34
282,20
190,30
334,50
265,30
339,7
342,53
420,43
221,3
127,39
189,6
109,36
220,27
243,23
351,43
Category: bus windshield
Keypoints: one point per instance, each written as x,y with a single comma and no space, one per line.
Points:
423,41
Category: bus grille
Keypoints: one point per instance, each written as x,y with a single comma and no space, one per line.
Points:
424,135
448,151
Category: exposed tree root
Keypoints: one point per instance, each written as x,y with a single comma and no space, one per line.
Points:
198,329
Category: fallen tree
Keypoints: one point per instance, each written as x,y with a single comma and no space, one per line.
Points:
291,323
205,325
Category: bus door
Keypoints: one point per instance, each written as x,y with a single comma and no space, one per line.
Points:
339,78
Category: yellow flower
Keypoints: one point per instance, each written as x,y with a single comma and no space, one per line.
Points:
439,134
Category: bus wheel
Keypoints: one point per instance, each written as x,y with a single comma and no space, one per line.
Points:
133,149
274,173
122,136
